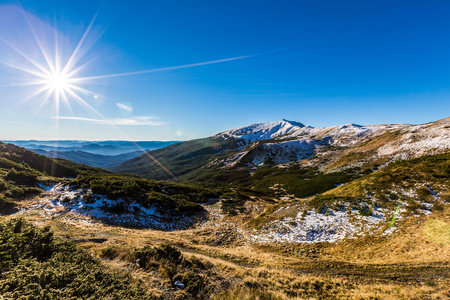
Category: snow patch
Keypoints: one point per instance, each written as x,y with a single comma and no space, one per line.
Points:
63,199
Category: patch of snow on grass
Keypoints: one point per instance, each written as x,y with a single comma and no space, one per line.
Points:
313,227
64,199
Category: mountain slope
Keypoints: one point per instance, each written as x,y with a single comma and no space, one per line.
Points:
234,154
113,198
373,204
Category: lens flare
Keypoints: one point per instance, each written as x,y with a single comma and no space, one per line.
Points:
58,77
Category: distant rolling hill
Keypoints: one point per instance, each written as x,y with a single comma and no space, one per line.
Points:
109,148
94,160
100,154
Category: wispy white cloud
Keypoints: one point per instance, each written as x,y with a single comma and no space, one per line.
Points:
133,121
124,106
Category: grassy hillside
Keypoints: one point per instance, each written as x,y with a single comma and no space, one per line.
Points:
186,161
409,182
22,172
175,161
415,186
35,265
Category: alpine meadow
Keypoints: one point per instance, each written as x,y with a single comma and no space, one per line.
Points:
141,156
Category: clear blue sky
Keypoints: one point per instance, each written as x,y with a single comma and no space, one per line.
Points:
322,63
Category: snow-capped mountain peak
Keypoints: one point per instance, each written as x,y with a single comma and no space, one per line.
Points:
263,131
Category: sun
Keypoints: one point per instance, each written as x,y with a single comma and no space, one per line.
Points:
55,76
57,82
59,77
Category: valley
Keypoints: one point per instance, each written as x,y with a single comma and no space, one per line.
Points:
346,217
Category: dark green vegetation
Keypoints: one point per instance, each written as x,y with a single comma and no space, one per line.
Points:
35,265
187,162
170,264
174,197
21,171
386,187
181,159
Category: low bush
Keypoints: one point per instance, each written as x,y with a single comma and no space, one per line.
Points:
22,177
194,283
35,265
3,185
165,252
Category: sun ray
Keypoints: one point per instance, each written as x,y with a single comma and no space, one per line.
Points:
39,43
41,68
45,100
29,71
76,70
72,60
84,103
36,93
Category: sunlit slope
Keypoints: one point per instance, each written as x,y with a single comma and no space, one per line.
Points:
24,174
178,160
373,204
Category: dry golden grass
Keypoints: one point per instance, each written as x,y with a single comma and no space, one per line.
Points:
412,264
437,231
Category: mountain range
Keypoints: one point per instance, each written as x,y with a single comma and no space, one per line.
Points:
274,210
99,154
291,145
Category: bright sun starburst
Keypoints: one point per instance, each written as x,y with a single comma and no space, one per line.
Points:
58,81
58,78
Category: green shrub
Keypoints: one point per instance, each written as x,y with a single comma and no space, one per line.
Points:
193,283
365,211
109,252
438,207
3,185
423,193
35,265
22,177
164,252
15,192
233,203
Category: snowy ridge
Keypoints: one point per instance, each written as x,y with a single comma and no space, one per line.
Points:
296,141
284,129
418,140
263,131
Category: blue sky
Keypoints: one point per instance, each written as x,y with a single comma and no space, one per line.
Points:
322,63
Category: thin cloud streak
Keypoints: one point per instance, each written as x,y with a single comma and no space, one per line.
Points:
135,121
167,68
